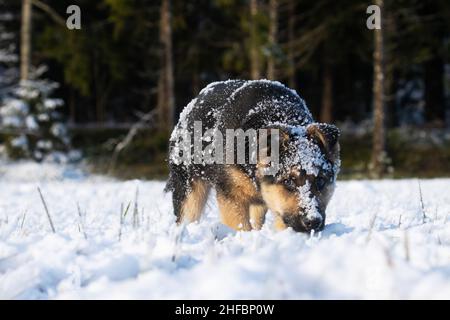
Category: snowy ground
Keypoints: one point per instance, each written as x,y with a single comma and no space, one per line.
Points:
375,245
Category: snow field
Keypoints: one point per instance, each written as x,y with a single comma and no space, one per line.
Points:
377,243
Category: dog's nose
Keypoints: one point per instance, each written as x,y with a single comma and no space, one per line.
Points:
313,224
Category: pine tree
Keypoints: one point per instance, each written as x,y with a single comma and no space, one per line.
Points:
31,121
166,98
8,55
273,39
255,63
379,156
31,125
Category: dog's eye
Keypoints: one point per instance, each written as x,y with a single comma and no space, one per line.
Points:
320,183
289,184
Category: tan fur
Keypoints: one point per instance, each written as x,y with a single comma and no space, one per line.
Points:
279,223
234,214
243,187
192,207
235,207
279,200
257,215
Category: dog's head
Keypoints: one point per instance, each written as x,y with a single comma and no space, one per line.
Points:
302,186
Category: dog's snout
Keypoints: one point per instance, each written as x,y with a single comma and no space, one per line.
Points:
313,223
304,224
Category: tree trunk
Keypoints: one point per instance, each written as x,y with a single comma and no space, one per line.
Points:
273,31
391,70
255,72
326,112
392,118
434,90
166,98
378,142
72,107
291,35
97,86
25,40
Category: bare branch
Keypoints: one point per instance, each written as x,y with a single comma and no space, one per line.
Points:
52,13
14,131
128,138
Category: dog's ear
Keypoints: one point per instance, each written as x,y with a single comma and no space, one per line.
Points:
325,135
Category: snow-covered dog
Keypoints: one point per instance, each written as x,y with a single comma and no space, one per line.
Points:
307,161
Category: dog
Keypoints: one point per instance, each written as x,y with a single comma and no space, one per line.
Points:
297,192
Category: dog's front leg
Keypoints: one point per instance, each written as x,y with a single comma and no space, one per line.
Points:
234,213
279,223
257,214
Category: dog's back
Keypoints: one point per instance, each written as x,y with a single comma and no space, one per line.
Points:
234,104
239,104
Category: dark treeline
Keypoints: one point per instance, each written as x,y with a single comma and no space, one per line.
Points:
137,63
112,68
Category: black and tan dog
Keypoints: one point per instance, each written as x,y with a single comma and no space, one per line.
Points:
298,192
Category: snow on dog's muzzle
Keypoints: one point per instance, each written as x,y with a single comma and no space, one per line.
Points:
314,219
315,223
305,223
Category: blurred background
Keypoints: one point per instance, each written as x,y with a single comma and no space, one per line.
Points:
113,89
